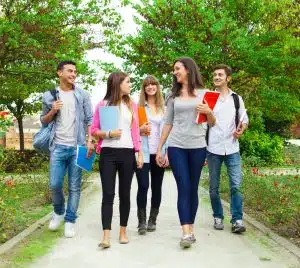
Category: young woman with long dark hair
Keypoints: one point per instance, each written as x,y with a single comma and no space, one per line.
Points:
186,140
117,153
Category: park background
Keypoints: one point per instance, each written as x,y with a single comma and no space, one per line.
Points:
258,39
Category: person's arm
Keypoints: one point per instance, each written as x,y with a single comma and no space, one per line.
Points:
49,114
88,118
168,125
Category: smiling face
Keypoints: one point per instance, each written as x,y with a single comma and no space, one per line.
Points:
67,74
220,79
180,72
125,86
151,90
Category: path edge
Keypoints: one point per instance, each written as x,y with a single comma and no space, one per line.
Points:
8,245
285,243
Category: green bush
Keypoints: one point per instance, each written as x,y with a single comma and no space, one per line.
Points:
20,162
260,148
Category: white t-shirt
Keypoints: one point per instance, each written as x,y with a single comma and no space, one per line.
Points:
65,121
125,141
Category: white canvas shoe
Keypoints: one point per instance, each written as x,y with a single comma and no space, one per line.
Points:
55,221
70,229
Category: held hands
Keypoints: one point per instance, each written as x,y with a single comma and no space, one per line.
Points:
162,161
145,129
203,108
57,105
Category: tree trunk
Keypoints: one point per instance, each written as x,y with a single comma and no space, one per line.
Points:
21,133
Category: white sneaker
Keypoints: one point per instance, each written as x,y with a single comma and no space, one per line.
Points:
69,229
55,221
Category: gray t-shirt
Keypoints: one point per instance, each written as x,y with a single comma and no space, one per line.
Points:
65,121
185,133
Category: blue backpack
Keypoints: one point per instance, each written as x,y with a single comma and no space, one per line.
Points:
41,139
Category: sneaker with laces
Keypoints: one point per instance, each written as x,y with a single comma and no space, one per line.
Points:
238,227
56,221
193,238
185,241
70,229
218,224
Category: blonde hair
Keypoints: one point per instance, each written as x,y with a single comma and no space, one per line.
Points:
159,100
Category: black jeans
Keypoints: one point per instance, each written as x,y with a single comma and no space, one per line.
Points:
157,174
113,160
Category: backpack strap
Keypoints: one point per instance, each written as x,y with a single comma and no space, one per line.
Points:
237,107
53,93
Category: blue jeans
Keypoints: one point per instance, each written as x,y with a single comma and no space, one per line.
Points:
62,159
186,165
234,171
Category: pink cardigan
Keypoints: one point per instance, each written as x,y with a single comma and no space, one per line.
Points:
135,131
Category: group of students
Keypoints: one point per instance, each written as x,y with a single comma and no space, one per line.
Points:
171,137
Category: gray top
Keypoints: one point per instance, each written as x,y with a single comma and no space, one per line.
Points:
181,114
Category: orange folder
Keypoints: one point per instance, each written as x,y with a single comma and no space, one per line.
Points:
142,115
211,98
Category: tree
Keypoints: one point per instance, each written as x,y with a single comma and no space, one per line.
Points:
259,39
36,35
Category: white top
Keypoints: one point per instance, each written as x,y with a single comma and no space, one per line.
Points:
125,141
154,137
65,121
221,140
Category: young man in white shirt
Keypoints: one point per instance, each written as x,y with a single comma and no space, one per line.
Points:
223,146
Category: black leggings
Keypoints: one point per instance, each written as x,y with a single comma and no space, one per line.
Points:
113,160
157,174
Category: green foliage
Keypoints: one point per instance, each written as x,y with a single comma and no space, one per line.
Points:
261,148
36,35
22,162
257,38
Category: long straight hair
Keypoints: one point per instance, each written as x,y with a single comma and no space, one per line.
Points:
159,100
194,77
113,92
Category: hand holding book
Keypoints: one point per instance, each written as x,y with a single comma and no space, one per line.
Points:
240,129
210,99
145,129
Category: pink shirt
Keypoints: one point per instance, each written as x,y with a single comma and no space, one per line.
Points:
135,131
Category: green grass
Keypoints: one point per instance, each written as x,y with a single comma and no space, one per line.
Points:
21,204
33,247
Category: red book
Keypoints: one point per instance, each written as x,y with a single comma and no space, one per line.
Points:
211,98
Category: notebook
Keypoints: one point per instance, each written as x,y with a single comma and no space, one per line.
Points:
142,115
211,98
82,161
109,117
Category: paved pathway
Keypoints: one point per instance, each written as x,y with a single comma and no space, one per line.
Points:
161,248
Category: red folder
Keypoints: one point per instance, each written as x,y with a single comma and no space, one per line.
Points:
211,98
